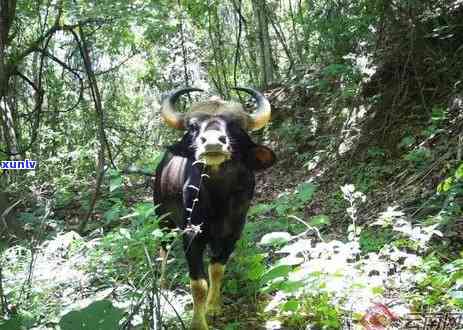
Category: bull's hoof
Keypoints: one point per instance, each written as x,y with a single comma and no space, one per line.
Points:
199,324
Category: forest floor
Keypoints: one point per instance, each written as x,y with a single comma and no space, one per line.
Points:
63,277
68,272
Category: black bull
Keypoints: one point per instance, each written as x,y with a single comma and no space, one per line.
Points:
205,184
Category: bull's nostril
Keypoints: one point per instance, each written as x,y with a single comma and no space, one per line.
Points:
203,140
223,139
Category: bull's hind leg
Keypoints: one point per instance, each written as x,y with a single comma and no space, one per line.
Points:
221,251
194,251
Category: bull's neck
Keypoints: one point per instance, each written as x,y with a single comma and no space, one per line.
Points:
214,169
228,169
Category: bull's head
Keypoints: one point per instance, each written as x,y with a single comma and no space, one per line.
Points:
217,128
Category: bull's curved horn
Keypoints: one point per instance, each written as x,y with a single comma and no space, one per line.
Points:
168,113
262,114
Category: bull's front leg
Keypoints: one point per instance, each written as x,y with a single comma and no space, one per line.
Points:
194,250
221,251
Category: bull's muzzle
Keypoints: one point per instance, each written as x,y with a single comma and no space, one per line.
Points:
213,147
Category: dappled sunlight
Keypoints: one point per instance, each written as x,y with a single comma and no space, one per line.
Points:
333,177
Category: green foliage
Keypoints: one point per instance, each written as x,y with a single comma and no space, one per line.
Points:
376,152
121,256
15,323
418,157
373,240
407,141
452,184
233,326
248,265
293,203
293,134
439,285
99,315
319,282
248,270
324,313
447,199
368,176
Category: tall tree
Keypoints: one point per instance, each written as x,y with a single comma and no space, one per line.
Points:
7,15
265,48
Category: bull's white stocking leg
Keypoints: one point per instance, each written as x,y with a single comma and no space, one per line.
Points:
214,301
199,293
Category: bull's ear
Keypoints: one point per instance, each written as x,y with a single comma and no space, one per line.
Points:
260,158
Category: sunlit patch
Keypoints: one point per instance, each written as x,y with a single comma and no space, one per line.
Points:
273,325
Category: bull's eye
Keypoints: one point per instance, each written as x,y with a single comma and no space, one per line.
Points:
223,139
203,139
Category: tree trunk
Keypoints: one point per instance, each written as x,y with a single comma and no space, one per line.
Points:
251,59
7,14
215,73
296,41
265,47
103,142
8,129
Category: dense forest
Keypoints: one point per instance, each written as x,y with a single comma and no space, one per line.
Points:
357,225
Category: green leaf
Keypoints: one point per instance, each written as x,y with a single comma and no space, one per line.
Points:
319,220
275,272
260,208
438,114
255,272
115,182
305,191
232,286
459,172
291,306
282,209
112,214
11,324
377,290
100,315
445,185
335,69
291,286
144,210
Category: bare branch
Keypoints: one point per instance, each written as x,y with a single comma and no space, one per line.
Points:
27,80
33,46
74,72
58,61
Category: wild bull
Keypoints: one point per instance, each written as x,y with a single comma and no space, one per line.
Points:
205,183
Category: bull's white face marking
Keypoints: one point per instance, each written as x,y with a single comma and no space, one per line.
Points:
212,143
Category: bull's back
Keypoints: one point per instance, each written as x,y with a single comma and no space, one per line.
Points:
168,186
